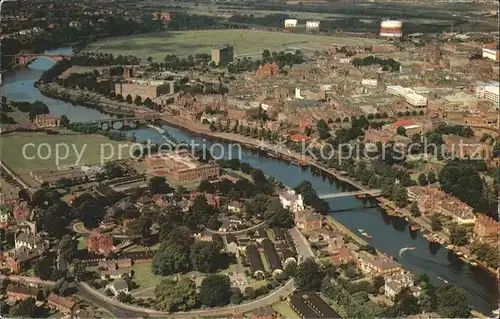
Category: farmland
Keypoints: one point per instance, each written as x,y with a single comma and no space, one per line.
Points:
245,42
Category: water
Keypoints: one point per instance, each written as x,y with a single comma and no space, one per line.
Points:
389,234
18,85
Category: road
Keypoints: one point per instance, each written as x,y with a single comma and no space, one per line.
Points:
236,232
303,248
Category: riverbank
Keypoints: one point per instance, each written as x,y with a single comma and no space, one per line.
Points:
294,157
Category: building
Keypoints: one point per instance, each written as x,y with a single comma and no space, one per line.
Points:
118,286
100,243
144,89
378,265
489,91
272,257
288,256
29,241
391,29
19,260
46,120
64,305
232,245
291,200
290,23
223,55
395,283
486,229
268,69
312,25
253,256
308,219
235,206
462,147
310,305
410,96
491,51
431,200
182,166
342,256
115,273
369,82
20,292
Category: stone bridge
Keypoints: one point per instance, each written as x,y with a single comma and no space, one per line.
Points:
25,59
119,123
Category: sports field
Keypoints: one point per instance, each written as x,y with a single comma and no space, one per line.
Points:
90,147
245,42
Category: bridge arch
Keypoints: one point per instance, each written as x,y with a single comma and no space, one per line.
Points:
27,59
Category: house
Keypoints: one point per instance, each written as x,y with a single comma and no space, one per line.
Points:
379,265
19,260
30,241
47,120
118,286
235,206
115,264
289,199
100,243
308,219
64,305
343,256
20,292
21,212
486,229
266,312
272,257
268,69
232,245
395,283
115,273
335,243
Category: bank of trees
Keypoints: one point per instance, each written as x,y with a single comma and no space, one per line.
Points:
386,64
32,108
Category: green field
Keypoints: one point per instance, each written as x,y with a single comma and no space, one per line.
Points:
245,42
12,151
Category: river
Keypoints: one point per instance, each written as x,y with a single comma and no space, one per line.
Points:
389,234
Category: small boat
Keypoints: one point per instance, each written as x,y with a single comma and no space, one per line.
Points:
412,248
449,246
368,236
473,263
406,218
460,253
443,280
414,228
361,230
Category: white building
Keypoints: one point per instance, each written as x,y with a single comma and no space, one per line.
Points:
312,25
289,199
369,82
488,91
396,282
411,97
118,286
290,23
491,52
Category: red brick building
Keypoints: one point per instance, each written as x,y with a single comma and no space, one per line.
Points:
100,243
308,220
486,228
19,292
268,69
47,120
64,305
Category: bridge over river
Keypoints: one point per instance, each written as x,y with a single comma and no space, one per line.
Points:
370,193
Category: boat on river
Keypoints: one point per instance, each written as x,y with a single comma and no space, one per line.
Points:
443,280
361,230
414,228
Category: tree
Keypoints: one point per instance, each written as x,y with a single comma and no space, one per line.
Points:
277,216
91,214
56,219
138,100
140,229
415,211
43,268
176,295
431,177
436,224
204,256
458,235
25,309
323,129
452,302
236,296
64,121
378,282
158,185
171,259
309,276
215,290
422,180
405,303
128,98
206,186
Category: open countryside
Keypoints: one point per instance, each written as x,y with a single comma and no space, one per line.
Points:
245,42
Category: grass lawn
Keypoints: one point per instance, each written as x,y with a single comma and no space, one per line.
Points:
285,310
92,148
238,174
19,117
264,261
245,42
79,227
135,247
144,277
82,243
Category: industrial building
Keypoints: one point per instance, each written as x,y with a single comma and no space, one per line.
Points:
144,89
391,29
256,266
489,91
312,25
290,23
310,305
272,256
491,51
411,97
223,55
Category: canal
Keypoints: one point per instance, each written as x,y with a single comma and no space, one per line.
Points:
389,234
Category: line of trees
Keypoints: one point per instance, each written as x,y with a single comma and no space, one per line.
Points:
386,64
